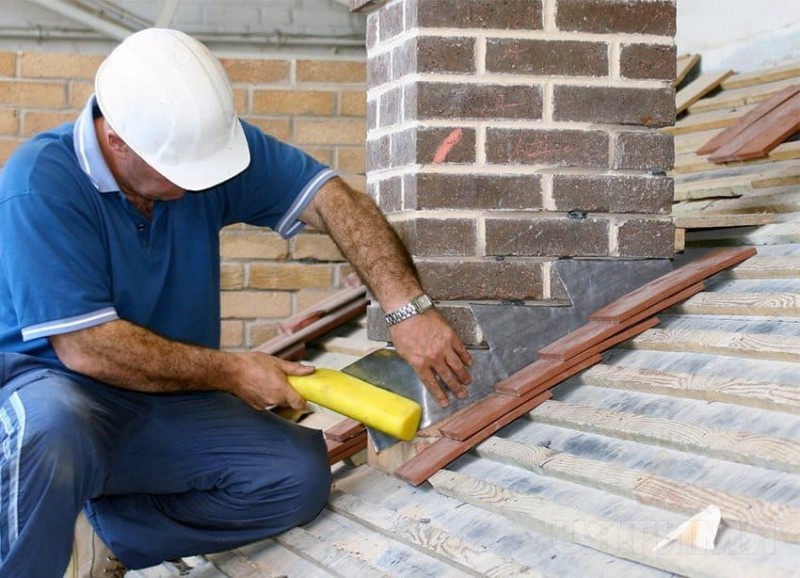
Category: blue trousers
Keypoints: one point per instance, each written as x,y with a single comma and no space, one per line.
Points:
159,476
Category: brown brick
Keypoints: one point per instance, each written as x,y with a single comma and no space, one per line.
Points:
617,16
390,107
334,71
422,145
390,21
256,244
644,150
646,238
339,131
231,276
444,100
255,304
372,31
240,100
260,332
55,65
350,159
391,195
445,237
487,14
372,114
353,103
30,94
289,276
295,102
547,57
379,69
280,128
558,237
308,298
79,93
481,279
324,154
656,61
9,122
575,148
379,153
615,105
256,70
471,191
445,54
232,334
315,247
613,194
35,122
8,64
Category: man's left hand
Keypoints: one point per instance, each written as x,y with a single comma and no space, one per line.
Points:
436,352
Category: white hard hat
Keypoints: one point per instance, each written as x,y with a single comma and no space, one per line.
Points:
168,98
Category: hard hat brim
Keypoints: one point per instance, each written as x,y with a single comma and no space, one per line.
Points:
212,170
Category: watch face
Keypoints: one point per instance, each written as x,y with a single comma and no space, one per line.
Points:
423,302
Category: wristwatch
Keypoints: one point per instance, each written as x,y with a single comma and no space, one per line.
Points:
418,304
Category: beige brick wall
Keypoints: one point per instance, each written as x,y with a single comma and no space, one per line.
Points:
319,106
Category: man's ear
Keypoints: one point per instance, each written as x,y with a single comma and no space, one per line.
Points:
115,143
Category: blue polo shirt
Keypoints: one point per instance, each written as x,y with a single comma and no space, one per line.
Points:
74,253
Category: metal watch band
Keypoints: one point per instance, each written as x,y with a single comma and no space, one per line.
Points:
417,305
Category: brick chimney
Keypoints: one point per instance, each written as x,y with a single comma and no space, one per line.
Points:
506,134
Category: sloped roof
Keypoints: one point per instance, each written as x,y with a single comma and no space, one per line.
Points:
702,409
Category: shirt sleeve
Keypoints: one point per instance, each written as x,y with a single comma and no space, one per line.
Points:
55,259
276,187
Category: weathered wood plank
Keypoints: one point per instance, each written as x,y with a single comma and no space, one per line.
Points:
767,76
776,304
712,120
692,163
763,395
743,447
740,96
761,517
327,555
621,540
426,537
737,185
698,88
749,345
766,267
701,220
684,64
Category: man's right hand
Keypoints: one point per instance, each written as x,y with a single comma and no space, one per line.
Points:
261,381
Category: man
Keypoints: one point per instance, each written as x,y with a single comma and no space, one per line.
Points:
115,399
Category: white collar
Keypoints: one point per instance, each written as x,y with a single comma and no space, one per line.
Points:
87,148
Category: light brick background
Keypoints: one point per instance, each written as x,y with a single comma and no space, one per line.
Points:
319,106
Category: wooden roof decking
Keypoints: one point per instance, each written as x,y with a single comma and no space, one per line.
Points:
703,408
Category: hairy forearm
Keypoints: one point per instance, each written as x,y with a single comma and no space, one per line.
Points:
125,355
367,241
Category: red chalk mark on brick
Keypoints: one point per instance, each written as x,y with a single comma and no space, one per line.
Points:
447,145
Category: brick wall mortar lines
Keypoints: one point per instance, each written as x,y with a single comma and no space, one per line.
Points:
391,43
614,51
613,237
547,274
548,202
480,55
549,15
